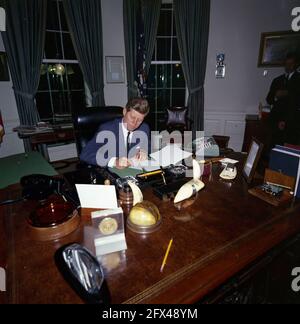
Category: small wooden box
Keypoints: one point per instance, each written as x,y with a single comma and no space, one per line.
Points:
276,178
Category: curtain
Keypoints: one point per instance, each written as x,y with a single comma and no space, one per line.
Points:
85,23
150,12
24,44
192,25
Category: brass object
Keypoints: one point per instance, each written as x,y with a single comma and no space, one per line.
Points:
144,218
108,226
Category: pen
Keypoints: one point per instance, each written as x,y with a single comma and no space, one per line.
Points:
166,256
149,174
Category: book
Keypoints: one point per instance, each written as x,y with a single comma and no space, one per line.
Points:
287,161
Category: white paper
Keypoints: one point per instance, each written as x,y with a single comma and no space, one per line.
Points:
170,154
226,161
97,196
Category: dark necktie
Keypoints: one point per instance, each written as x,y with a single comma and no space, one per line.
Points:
128,143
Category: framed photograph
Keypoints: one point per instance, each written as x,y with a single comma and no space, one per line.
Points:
4,74
252,160
275,46
115,69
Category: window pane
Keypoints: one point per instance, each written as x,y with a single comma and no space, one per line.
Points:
53,48
63,20
174,26
43,85
163,49
175,53
44,105
178,98
163,75
165,23
52,16
58,82
75,77
60,103
166,5
178,80
68,47
163,100
77,100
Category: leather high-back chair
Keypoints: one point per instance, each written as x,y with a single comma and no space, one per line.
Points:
177,119
87,121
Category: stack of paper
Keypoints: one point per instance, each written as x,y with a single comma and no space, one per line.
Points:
170,154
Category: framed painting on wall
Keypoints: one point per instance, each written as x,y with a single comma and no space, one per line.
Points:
275,46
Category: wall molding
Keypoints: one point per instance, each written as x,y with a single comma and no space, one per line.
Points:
226,123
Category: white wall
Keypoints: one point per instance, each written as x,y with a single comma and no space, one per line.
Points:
235,29
11,143
113,45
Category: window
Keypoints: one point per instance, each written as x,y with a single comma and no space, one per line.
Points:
61,87
166,83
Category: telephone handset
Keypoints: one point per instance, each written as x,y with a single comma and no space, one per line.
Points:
229,172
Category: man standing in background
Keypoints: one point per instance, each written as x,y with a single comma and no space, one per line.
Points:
284,96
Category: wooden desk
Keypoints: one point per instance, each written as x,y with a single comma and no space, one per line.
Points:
57,136
223,232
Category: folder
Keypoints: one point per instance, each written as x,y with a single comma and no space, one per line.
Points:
287,161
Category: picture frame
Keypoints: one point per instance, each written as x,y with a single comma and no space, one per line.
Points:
252,160
4,73
115,69
274,46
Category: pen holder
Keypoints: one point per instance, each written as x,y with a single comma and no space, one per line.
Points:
125,199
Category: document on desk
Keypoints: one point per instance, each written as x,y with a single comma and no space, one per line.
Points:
97,196
144,166
170,154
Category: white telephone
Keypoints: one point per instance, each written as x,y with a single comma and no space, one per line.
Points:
229,172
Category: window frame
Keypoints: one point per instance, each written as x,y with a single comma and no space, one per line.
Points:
63,61
166,62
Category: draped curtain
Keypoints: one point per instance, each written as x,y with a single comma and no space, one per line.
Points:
24,40
192,25
150,11
85,23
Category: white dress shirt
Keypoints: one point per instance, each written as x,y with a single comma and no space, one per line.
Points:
125,131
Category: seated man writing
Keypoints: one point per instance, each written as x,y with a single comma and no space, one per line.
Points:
120,142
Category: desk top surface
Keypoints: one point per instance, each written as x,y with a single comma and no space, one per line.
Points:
14,167
221,233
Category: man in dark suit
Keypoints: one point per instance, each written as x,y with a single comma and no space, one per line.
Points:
120,141
284,96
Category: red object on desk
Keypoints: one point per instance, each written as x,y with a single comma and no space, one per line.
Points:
292,146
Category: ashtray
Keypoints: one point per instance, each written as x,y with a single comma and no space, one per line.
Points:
144,218
53,219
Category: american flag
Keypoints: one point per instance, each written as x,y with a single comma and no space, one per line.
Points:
141,55
2,132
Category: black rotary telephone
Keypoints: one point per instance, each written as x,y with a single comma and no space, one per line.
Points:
37,187
40,186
